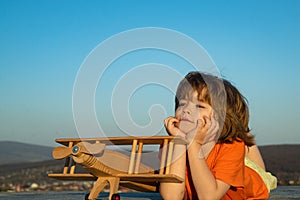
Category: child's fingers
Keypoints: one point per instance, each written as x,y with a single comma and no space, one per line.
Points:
206,124
167,121
215,125
212,125
200,124
213,130
170,125
170,121
198,134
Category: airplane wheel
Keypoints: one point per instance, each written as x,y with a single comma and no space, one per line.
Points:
115,197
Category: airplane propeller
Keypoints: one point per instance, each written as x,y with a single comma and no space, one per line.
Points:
61,152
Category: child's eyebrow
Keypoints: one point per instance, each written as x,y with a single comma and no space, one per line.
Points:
202,100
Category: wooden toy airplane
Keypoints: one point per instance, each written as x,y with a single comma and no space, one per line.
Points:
110,167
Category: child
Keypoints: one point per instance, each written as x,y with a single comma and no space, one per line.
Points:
213,117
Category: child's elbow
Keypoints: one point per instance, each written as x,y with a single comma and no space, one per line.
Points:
172,195
207,196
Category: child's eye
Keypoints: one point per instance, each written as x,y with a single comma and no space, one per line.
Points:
199,106
181,104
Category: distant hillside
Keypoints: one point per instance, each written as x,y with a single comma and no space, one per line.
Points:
281,158
16,152
283,161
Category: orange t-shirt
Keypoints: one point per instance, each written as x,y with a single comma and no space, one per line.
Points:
226,162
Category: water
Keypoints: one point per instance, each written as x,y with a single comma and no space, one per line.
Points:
76,195
282,193
286,192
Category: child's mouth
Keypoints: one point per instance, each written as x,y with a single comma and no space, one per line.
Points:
185,120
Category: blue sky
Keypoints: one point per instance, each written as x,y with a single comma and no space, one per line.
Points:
255,44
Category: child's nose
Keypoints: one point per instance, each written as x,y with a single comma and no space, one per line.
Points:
186,110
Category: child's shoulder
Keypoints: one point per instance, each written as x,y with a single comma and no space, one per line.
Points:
227,154
236,146
231,143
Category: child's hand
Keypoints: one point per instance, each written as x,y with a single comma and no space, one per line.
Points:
172,128
205,131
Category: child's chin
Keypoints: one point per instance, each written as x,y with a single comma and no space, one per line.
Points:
186,127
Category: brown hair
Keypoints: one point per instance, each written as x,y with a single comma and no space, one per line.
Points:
229,105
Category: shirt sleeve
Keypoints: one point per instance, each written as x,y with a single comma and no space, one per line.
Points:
229,164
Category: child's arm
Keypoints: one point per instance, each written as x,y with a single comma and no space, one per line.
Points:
173,191
178,166
206,185
253,154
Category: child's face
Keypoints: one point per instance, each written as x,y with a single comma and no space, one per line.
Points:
191,110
